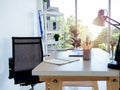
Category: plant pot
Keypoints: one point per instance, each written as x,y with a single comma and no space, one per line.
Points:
57,39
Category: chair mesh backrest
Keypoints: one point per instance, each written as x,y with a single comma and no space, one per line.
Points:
27,52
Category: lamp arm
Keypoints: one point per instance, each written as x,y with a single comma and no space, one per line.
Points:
115,25
117,55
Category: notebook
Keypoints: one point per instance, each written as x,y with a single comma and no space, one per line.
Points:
61,61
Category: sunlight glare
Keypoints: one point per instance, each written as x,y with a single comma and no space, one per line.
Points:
87,11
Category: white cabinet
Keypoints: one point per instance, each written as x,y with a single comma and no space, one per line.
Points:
51,26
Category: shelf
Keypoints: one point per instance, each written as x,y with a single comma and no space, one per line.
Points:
50,31
51,27
52,42
54,14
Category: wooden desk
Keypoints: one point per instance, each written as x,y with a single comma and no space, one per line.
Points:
82,70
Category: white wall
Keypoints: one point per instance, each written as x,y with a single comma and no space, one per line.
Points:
16,19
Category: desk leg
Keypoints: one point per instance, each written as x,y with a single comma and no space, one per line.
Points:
54,84
113,83
95,85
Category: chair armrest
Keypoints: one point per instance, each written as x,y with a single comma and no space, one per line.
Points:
46,55
11,68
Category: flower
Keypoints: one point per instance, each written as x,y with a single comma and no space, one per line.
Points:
112,43
76,41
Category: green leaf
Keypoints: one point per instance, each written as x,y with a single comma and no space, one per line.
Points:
45,0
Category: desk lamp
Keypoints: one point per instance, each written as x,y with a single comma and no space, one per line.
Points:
100,21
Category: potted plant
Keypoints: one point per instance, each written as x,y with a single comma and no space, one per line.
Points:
75,40
56,37
45,0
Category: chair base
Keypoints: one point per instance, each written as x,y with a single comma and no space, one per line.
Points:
32,87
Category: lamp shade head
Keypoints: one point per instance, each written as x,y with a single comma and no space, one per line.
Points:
100,19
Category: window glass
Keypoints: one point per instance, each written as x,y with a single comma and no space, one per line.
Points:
65,6
87,11
115,14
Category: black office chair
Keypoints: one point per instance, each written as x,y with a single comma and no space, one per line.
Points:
27,54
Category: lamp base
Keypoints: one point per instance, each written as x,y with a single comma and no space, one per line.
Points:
114,65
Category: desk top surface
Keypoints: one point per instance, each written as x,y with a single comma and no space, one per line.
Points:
97,66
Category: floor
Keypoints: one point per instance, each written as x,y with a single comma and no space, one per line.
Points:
8,84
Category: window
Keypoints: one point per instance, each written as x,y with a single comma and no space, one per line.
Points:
87,10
